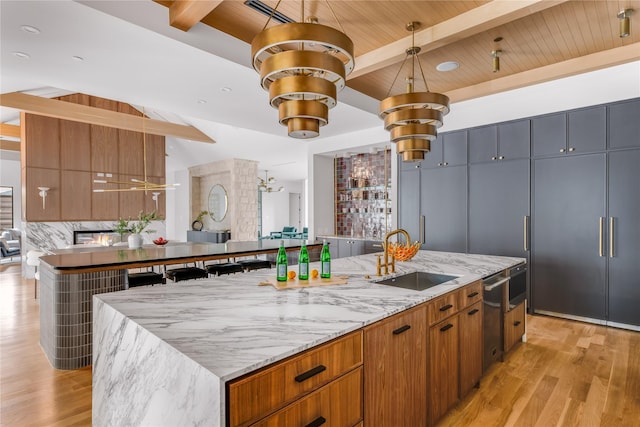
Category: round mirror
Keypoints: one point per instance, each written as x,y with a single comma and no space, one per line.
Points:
217,203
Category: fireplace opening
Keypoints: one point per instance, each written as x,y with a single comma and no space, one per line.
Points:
95,237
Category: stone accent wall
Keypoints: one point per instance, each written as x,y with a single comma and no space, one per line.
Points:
238,177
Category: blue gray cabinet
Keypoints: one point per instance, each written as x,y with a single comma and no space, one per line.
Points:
624,124
499,208
449,149
443,206
568,225
505,141
575,132
409,200
549,134
350,247
624,238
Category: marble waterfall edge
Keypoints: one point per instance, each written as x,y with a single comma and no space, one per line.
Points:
146,378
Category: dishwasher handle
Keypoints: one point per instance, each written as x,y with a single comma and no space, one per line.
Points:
492,286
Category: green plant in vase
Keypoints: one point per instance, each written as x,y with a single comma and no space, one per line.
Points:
135,227
197,224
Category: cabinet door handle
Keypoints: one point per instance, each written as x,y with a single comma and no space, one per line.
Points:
445,164
600,236
317,422
472,294
501,158
401,329
493,158
571,149
516,323
611,241
562,150
472,312
525,232
310,373
445,307
446,327
422,229
439,163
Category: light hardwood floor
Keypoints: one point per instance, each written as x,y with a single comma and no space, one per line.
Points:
567,374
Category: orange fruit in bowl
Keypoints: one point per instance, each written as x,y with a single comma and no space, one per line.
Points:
314,274
291,274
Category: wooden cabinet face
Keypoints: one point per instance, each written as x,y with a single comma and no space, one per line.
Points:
470,347
75,145
75,191
38,177
443,367
130,153
514,326
150,204
104,149
42,138
395,377
105,206
131,202
155,148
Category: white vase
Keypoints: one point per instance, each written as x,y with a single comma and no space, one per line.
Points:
135,241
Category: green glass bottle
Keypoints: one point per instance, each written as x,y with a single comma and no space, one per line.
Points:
325,261
281,263
303,263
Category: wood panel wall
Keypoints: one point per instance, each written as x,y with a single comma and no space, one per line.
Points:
67,156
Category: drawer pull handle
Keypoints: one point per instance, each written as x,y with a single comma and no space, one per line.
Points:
401,329
472,312
446,307
516,323
446,327
317,422
310,373
472,294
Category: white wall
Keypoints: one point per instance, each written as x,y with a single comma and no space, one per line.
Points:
10,177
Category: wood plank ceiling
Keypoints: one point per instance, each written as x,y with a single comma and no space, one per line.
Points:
541,39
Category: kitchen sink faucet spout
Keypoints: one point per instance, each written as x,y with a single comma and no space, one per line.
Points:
386,249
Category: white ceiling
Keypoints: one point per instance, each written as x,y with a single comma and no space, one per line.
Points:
149,64
131,54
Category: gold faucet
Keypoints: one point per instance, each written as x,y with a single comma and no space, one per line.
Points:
386,251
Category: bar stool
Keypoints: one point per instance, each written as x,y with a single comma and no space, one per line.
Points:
33,259
186,273
254,264
225,268
145,278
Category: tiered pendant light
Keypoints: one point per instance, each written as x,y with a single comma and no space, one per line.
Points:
413,117
303,65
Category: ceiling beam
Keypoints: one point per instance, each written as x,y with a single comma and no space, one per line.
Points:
9,145
477,20
12,131
184,14
570,67
98,116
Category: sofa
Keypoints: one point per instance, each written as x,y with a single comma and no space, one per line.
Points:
10,243
286,233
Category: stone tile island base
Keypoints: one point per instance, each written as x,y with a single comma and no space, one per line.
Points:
150,382
66,315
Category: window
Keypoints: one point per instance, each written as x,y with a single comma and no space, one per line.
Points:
6,207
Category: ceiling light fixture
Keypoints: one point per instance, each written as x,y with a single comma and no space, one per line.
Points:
21,55
264,185
495,54
77,58
413,117
136,184
30,29
447,66
303,65
625,25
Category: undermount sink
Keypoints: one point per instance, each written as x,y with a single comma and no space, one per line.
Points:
418,281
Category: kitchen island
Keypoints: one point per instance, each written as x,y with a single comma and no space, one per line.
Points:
164,356
70,278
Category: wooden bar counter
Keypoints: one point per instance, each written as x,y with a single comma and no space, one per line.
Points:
70,278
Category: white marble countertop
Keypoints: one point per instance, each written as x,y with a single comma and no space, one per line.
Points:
230,326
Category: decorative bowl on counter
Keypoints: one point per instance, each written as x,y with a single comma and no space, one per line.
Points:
403,252
160,241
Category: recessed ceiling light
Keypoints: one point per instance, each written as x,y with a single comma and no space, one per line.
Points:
202,101
30,29
77,58
21,55
447,66
225,89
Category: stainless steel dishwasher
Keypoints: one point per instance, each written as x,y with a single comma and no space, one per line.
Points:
493,318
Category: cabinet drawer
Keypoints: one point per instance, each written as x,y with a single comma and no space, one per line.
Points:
514,326
256,395
470,294
443,307
337,404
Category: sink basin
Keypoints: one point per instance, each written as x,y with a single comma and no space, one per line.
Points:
418,281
